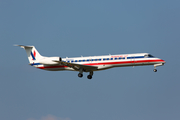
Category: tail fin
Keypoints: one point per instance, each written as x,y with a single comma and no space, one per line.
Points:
32,53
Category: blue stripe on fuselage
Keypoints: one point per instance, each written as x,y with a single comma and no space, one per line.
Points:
36,64
136,57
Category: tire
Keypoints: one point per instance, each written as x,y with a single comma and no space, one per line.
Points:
80,75
89,76
155,70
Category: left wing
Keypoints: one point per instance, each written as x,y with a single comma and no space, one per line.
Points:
77,66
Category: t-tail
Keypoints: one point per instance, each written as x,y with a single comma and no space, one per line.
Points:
32,53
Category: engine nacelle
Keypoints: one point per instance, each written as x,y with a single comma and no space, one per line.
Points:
50,60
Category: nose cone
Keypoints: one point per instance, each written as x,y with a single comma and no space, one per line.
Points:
162,61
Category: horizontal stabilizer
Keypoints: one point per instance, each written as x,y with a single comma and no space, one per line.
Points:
23,46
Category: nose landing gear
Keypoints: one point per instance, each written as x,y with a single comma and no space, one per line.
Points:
155,70
156,65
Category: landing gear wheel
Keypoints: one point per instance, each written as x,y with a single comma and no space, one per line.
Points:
155,70
89,76
80,75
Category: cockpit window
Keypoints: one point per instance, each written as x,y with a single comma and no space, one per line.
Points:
148,55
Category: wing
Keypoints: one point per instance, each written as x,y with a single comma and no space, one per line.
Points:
77,66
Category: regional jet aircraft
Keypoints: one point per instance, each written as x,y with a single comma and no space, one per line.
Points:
89,64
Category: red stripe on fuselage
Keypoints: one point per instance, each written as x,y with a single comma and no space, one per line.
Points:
108,63
126,62
46,67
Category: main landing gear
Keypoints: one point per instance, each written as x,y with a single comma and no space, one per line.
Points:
89,76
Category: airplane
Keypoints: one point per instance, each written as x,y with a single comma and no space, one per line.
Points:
91,63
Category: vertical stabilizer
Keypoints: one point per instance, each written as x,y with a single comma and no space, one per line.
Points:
32,53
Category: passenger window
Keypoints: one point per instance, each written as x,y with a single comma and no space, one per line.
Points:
111,58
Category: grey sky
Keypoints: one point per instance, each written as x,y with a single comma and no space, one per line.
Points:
97,27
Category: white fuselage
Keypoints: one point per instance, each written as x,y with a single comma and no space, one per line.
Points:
105,62
89,64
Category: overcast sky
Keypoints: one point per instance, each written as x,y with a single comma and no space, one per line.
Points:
71,28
